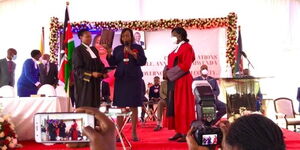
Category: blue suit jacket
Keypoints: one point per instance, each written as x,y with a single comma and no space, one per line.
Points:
213,83
29,77
133,68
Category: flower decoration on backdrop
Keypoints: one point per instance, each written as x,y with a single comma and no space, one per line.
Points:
230,22
54,36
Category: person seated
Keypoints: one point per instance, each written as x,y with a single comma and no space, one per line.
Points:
144,99
250,132
259,96
162,103
153,90
221,107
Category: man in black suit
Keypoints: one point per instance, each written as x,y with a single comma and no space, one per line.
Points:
7,68
48,71
221,107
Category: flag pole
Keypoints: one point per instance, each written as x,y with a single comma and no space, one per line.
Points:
42,44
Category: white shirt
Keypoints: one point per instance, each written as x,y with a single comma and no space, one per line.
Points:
92,54
178,46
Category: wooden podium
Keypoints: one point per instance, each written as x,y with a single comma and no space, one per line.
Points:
240,94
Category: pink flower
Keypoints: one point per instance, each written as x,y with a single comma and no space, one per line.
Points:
15,141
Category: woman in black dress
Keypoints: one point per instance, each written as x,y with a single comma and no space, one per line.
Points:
128,58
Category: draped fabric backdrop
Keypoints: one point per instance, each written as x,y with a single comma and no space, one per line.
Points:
270,29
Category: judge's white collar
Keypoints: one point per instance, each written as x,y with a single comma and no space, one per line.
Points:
92,54
178,46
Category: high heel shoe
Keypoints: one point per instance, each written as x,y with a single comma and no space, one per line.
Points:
182,139
175,137
135,139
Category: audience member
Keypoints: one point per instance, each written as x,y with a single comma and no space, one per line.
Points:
28,83
7,68
259,96
153,97
250,132
162,103
48,71
221,107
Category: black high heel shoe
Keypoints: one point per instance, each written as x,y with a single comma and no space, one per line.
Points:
175,137
182,139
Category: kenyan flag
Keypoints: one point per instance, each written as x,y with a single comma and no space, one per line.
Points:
68,47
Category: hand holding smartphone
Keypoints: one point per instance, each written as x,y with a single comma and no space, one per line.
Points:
99,129
62,127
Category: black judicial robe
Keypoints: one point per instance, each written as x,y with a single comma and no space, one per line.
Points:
87,88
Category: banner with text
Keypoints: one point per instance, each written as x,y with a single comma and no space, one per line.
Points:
209,46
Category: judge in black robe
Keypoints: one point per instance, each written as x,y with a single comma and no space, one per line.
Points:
88,72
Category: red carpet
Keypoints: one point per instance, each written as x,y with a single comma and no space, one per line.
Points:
150,140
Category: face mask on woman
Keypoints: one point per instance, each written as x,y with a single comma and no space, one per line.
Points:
174,39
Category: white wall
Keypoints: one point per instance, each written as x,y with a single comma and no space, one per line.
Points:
270,28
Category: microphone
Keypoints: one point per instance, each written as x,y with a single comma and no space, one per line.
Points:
127,44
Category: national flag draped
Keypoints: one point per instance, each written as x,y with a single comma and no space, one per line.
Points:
42,44
238,67
68,47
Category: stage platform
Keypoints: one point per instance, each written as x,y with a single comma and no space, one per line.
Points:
150,140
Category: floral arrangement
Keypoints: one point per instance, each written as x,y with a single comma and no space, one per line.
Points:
8,136
230,22
54,35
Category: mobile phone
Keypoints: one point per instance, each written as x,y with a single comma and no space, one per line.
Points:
209,139
62,127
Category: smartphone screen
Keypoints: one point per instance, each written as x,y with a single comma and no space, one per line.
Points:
209,139
62,127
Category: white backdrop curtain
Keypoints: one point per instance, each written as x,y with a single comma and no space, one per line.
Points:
270,28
